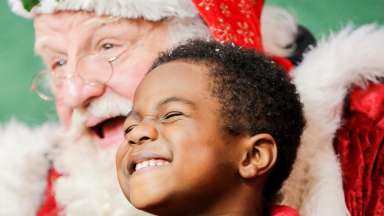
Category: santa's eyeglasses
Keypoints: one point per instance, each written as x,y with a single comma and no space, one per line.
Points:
92,69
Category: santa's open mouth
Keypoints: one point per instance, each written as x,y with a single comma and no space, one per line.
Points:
109,131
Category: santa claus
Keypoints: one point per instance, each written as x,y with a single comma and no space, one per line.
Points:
97,51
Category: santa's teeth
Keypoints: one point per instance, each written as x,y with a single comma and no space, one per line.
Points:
150,163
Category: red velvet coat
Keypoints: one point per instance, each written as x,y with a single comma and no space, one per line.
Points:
360,145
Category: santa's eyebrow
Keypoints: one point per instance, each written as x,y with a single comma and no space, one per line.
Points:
175,99
41,45
94,23
98,22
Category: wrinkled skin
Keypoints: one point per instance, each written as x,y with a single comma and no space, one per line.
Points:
64,38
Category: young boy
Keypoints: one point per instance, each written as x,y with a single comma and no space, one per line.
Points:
213,131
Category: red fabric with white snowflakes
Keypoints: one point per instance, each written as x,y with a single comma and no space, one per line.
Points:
237,21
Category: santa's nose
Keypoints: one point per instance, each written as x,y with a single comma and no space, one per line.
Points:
76,92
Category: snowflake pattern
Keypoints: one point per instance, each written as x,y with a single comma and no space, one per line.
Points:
223,31
225,10
243,30
233,20
206,4
245,8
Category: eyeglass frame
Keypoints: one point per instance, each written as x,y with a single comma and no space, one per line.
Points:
46,72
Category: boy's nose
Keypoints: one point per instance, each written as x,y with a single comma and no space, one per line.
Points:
142,133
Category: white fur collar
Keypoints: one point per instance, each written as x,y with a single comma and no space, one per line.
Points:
24,165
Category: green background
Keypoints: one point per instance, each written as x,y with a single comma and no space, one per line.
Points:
18,64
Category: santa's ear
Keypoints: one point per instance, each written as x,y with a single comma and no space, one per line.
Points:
258,156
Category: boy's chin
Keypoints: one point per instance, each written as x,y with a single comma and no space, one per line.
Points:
149,202
152,196
150,188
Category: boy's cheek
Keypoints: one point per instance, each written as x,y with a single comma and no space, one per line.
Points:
146,193
120,154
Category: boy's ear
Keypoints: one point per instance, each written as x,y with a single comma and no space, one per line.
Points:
259,155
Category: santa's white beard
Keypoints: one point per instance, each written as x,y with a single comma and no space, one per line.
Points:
108,106
89,183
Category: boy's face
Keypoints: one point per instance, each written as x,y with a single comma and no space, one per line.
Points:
175,151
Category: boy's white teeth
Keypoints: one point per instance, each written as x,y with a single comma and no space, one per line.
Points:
150,163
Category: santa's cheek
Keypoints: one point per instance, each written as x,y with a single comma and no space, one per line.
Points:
126,84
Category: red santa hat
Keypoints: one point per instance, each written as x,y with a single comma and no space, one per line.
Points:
240,21
149,9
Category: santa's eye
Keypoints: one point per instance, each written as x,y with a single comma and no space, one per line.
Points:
58,63
107,46
110,51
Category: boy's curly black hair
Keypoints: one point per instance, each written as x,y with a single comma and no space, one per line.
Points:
255,96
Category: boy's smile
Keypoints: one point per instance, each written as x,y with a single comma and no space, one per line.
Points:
175,148
146,160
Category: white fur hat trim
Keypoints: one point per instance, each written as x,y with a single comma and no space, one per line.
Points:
148,9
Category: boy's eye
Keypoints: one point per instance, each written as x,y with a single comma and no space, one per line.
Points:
129,129
171,115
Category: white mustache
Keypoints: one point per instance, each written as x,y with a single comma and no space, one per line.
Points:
107,106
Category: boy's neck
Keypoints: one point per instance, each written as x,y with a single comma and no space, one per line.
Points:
243,202
239,204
